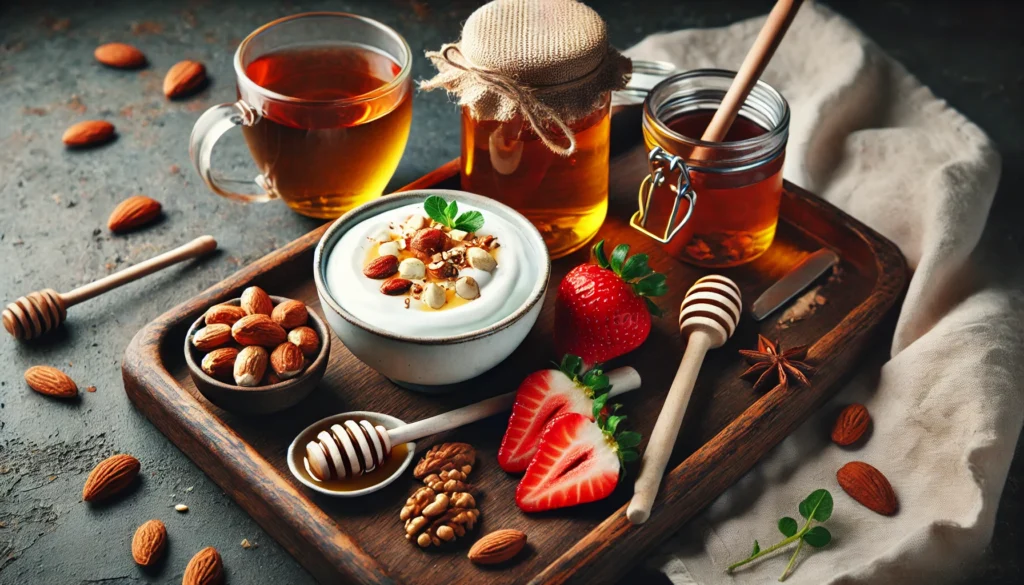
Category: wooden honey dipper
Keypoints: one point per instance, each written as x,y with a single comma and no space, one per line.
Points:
354,447
707,319
39,312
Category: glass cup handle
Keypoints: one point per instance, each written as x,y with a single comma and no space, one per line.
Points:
208,129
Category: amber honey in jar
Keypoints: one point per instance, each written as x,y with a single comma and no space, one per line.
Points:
566,197
735,184
534,79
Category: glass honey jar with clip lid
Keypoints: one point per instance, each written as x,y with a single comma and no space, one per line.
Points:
534,80
713,204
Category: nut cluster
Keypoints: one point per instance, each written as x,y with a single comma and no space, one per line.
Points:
444,509
423,260
256,343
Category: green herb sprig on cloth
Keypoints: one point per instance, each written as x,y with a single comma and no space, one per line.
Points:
817,507
447,214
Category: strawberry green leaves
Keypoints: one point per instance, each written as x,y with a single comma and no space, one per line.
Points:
447,214
594,381
636,271
816,507
624,441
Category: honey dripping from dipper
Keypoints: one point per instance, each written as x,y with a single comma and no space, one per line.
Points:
365,459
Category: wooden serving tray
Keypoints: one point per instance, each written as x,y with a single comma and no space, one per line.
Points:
727,429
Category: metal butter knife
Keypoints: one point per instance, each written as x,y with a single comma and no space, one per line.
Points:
793,283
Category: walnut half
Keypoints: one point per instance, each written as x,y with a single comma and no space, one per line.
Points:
445,457
432,518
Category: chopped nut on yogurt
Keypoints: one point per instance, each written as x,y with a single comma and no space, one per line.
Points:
415,222
384,235
412,269
433,296
458,235
467,288
481,259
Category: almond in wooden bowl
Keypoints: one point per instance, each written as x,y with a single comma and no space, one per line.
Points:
275,392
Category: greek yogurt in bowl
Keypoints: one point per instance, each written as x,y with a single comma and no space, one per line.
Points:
426,309
501,290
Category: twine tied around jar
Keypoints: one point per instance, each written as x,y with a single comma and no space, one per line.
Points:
547,61
535,112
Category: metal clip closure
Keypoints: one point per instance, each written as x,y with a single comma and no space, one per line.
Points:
660,164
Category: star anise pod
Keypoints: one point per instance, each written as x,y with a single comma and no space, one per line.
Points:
773,366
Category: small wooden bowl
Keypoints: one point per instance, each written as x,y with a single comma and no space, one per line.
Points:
259,399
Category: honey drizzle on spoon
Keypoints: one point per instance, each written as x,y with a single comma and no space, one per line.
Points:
385,469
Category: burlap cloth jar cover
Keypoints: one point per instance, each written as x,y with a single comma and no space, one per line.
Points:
547,60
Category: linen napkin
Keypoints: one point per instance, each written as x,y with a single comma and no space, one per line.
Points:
944,399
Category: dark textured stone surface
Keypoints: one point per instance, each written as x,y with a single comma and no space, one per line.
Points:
54,204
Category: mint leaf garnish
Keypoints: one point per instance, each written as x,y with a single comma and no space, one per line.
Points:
447,214
470,221
435,206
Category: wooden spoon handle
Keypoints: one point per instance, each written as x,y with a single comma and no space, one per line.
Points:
622,380
197,247
666,429
753,66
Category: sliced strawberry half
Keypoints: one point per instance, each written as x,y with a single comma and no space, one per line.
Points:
579,460
541,397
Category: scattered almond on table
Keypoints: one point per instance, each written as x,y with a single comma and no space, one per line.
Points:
110,477
205,568
149,542
120,56
851,424
184,78
869,487
88,133
51,382
133,213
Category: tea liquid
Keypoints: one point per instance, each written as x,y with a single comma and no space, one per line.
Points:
736,212
565,197
324,158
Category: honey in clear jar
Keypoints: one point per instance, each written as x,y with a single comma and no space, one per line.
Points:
566,197
534,79
737,182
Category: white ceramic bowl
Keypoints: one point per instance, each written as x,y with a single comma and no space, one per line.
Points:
432,363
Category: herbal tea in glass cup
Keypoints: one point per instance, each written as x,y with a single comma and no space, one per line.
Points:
325,105
713,204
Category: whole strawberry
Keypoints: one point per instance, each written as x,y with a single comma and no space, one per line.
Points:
604,310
